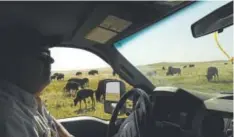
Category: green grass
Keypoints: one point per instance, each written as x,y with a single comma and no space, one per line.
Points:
194,78
61,105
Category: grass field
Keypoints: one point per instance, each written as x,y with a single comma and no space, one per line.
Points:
61,105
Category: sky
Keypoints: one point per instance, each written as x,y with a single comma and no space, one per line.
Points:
75,59
170,40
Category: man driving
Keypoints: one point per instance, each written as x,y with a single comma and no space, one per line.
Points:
24,73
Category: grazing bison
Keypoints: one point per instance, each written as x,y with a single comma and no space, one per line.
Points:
100,92
225,63
83,82
191,65
71,86
172,71
78,73
151,73
101,89
82,95
53,77
93,72
185,66
212,72
60,76
56,74
163,68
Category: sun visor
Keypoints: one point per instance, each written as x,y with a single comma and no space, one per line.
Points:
115,24
100,35
109,28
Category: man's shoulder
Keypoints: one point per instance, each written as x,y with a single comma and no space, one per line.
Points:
13,119
9,106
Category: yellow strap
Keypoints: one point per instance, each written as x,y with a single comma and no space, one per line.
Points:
220,47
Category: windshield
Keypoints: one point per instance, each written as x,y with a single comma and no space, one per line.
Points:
168,55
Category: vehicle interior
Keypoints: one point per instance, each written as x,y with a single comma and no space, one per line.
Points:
96,26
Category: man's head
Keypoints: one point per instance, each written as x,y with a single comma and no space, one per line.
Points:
25,59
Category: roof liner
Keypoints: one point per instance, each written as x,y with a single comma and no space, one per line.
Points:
74,20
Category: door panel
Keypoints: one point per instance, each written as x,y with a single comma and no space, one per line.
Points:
85,126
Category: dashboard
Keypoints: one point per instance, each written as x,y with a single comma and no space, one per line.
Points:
209,115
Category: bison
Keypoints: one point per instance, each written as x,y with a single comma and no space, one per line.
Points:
163,68
101,89
93,72
53,77
83,82
56,74
225,63
82,95
212,72
151,73
78,73
100,92
71,86
172,71
185,66
60,76
191,65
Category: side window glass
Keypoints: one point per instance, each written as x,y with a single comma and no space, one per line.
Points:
70,64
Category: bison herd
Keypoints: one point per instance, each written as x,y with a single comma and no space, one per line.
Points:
211,72
78,88
72,87
58,76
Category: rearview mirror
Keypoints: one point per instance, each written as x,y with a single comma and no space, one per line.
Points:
215,21
114,89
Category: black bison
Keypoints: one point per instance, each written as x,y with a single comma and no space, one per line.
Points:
185,66
212,72
78,73
56,74
172,71
225,63
60,76
151,73
53,77
100,91
83,82
71,86
82,95
191,65
93,72
163,68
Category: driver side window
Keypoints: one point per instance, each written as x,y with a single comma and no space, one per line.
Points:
81,65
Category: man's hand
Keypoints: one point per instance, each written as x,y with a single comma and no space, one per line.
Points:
61,130
42,110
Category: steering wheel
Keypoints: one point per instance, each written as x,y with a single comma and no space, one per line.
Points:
138,122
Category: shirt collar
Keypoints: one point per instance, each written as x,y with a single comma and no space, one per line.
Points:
20,94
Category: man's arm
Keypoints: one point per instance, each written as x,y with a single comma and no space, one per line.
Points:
59,127
61,130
